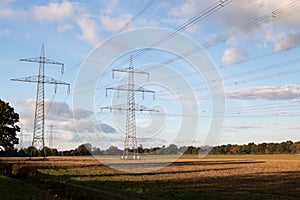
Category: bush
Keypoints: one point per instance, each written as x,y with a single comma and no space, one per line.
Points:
21,171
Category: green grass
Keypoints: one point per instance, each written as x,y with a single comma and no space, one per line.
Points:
13,189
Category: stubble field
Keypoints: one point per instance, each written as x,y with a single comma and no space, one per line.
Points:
212,177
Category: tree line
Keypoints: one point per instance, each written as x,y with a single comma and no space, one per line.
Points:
287,147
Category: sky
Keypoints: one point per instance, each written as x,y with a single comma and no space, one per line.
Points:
249,48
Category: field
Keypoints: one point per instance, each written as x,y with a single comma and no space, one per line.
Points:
212,177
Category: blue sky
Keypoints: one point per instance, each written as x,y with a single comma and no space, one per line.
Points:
259,66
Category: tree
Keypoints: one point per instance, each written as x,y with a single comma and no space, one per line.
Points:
172,149
295,148
113,150
235,149
227,149
140,149
284,147
260,148
250,147
32,151
83,150
96,151
271,148
183,149
8,127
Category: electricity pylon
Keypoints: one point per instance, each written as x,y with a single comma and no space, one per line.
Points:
21,140
130,143
51,136
38,140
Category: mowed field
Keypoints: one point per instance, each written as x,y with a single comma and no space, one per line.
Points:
212,177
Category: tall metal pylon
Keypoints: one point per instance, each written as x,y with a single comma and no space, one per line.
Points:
130,150
38,140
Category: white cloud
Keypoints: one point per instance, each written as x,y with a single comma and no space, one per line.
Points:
61,110
291,127
242,127
176,20
7,12
280,32
68,13
187,8
66,136
53,110
282,40
64,27
110,7
286,92
69,133
62,115
89,30
67,16
53,11
85,126
232,55
114,24
287,42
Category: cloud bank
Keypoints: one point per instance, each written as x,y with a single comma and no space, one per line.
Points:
272,93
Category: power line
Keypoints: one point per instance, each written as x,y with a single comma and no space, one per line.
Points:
254,71
144,9
201,115
136,16
276,14
220,67
273,16
186,25
266,68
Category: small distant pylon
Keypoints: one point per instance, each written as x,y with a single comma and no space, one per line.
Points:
130,150
38,140
21,140
51,136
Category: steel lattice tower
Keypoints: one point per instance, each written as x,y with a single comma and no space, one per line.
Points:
130,138
38,140
130,142
51,136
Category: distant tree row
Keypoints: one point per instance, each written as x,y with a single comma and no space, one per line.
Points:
287,147
82,150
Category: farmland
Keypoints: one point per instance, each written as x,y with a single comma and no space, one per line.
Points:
212,177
